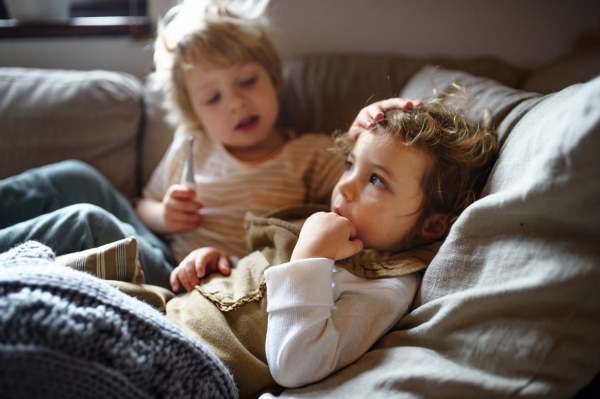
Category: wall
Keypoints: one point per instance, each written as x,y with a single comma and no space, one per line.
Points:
525,33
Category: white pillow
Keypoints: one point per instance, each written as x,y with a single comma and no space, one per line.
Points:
512,297
485,94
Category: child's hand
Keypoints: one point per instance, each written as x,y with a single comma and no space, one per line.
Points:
180,209
369,115
199,263
327,235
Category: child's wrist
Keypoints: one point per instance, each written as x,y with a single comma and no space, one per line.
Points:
301,253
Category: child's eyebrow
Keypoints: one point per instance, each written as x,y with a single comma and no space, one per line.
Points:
203,86
385,171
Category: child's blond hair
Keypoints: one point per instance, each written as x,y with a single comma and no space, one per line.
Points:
462,152
204,33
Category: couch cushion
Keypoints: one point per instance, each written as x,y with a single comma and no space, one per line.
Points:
324,92
485,96
577,67
115,261
158,133
510,305
53,115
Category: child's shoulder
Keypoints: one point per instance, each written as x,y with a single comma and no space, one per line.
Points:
309,147
311,151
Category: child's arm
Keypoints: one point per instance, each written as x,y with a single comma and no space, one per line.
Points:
375,112
177,212
197,264
316,327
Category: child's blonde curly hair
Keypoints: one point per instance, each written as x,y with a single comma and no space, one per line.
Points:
463,153
208,33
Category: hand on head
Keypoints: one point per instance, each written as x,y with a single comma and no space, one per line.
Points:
327,235
373,113
198,264
181,209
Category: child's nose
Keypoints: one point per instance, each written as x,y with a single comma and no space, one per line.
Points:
236,100
347,188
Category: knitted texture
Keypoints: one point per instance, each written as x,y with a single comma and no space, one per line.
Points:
66,334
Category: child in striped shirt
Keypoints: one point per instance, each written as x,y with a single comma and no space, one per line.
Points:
222,76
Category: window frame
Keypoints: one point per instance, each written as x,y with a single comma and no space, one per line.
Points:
88,18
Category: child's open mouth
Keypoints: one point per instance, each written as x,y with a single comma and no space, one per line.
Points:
248,123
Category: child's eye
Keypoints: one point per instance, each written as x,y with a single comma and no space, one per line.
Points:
349,165
377,181
248,82
214,99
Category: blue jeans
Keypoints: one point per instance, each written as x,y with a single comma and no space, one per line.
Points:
69,206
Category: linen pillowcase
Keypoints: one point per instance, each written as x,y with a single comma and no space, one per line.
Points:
514,284
485,96
114,261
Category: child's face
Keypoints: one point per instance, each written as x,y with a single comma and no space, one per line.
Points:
237,105
380,192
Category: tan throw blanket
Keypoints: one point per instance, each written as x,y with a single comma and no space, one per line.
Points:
228,314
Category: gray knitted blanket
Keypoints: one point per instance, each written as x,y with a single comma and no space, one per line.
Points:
65,334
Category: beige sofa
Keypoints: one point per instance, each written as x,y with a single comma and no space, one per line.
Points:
114,121
510,307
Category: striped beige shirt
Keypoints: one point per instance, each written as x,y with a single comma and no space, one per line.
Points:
303,171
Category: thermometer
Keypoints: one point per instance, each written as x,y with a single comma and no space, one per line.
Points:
189,177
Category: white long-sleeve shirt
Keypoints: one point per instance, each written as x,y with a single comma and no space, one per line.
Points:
322,318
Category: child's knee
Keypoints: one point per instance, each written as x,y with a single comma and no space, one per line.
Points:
89,215
79,169
75,176
96,222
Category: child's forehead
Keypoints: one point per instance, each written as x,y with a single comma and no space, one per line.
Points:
375,137
379,139
379,134
209,71
215,61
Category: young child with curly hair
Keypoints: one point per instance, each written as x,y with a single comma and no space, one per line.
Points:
311,300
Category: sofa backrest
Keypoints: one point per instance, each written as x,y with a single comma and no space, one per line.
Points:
114,122
324,92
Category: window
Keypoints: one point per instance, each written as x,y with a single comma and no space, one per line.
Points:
108,8
88,17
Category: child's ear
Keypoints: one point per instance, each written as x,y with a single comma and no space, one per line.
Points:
435,226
